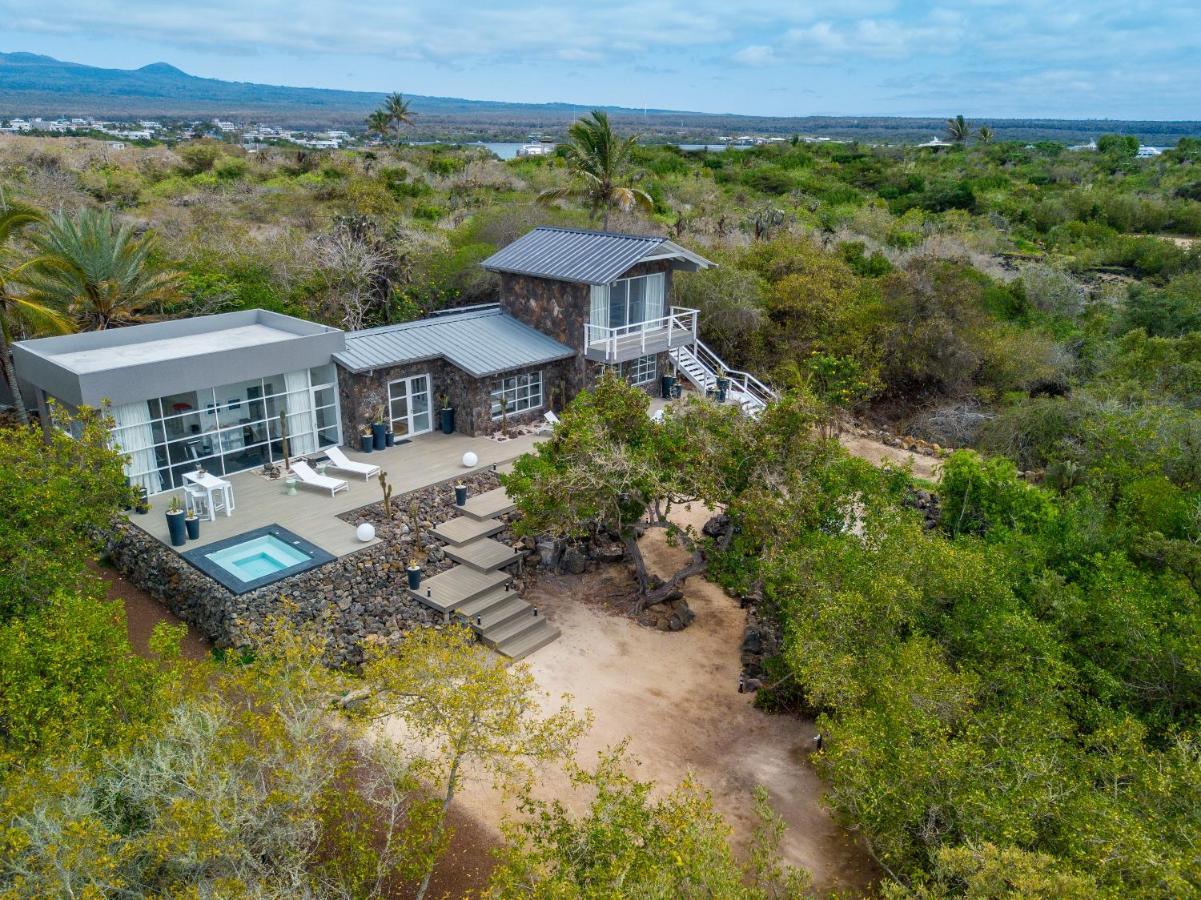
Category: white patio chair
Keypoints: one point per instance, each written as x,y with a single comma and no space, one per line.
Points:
550,421
339,460
301,470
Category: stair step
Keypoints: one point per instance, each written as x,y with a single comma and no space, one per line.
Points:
488,505
513,629
484,554
501,614
477,606
529,641
464,529
457,586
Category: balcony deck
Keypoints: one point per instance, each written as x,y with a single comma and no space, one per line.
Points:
618,345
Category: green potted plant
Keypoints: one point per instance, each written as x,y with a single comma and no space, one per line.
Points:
191,522
141,502
447,414
379,431
414,573
366,440
175,525
723,385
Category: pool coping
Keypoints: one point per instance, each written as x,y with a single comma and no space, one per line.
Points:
198,557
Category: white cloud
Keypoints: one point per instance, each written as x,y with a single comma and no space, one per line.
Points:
755,55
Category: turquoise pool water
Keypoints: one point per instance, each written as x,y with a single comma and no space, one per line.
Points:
258,557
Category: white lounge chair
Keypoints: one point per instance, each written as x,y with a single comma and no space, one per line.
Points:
551,420
301,470
339,460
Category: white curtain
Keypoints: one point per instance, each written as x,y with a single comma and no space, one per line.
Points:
598,315
134,436
654,297
301,439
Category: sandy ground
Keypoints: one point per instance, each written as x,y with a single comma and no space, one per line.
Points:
926,467
143,612
675,697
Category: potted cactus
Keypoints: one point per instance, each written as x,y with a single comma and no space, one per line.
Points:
175,525
723,385
414,573
379,431
447,414
191,523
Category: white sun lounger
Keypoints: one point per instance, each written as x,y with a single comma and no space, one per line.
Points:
339,460
301,470
551,421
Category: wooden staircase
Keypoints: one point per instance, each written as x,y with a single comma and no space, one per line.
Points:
477,590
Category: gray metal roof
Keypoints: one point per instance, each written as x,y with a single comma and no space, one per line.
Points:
481,341
591,257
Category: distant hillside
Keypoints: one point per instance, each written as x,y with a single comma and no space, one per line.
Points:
31,84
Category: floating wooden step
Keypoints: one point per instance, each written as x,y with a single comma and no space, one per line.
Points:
488,505
529,641
484,554
484,603
464,529
457,586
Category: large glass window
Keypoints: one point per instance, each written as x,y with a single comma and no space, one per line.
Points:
520,393
228,428
641,370
636,300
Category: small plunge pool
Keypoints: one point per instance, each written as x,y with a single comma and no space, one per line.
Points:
257,558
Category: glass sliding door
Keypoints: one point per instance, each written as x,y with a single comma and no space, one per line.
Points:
633,301
409,406
228,428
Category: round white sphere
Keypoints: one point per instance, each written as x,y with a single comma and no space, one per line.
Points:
470,459
365,532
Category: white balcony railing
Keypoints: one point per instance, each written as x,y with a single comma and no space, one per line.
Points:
626,342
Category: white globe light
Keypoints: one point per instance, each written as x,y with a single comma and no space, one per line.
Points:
365,532
470,459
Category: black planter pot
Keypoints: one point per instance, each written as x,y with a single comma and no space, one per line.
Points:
390,439
379,435
193,527
175,527
448,420
414,578
668,388
460,494
366,442
723,387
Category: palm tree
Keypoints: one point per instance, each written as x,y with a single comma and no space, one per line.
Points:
985,134
97,271
380,123
19,313
399,111
598,160
958,130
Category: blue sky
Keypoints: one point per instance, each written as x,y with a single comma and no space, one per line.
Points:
1003,58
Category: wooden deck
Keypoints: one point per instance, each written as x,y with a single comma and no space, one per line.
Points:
484,554
463,530
454,587
488,505
313,515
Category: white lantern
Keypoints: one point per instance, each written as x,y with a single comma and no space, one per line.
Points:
470,460
365,532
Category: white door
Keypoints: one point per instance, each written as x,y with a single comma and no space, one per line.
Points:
409,406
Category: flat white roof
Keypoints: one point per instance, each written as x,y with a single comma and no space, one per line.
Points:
102,359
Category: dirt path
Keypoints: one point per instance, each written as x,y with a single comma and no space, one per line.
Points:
675,697
143,612
926,467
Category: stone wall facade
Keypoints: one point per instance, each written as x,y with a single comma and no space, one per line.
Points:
361,394
561,310
356,599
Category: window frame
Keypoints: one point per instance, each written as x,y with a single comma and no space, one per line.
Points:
523,390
